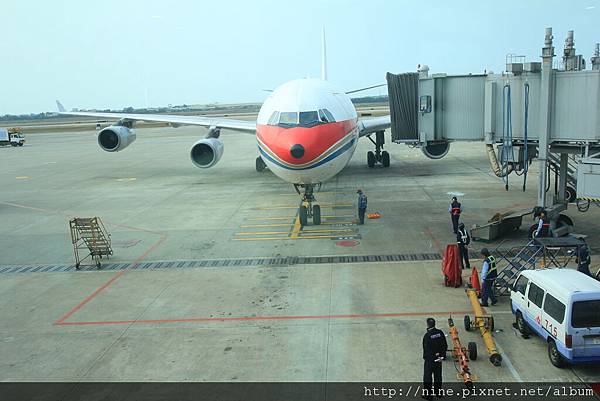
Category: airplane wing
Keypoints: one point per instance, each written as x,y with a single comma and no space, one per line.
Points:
217,122
368,126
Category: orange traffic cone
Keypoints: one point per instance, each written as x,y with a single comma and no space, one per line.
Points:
475,284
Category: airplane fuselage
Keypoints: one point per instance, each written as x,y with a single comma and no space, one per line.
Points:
306,131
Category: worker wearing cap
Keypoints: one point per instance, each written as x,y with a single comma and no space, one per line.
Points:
362,206
434,352
455,210
488,276
463,240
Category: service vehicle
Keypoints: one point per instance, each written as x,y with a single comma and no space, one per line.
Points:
11,136
563,307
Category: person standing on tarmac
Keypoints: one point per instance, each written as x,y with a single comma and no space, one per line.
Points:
434,352
362,206
488,276
583,260
463,239
543,228
455,210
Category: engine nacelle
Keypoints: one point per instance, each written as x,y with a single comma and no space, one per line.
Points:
115,138
436,150
207,152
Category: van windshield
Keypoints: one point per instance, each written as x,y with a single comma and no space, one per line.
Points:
586,314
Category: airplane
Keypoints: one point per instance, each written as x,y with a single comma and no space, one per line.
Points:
306,132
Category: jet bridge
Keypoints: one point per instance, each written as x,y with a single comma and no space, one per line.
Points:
544,110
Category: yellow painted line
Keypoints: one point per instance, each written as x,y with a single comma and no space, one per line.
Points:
272,218
262,232
22,177
284,238
338,217
266,225
338,222
328,205
328,231
296,229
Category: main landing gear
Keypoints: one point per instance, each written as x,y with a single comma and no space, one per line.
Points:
308,210
380,156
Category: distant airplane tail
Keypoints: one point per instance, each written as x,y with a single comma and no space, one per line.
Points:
61,108
323,56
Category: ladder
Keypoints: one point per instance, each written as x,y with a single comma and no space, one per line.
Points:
90,234
517,259
554,160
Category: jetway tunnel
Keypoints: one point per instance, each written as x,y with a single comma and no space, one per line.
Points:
544,111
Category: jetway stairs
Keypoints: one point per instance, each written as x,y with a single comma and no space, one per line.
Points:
517,259
571,177
88,233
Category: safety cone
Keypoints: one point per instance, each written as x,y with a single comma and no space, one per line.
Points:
475,284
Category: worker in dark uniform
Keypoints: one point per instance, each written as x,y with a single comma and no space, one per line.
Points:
362,206
488,276
463,239
455,210
543,228
434,352
583,260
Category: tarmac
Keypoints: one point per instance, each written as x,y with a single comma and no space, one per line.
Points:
212,279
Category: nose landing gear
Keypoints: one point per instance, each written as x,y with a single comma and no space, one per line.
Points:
380,155
308,210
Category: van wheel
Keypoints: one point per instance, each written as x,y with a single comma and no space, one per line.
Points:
521,325
555,357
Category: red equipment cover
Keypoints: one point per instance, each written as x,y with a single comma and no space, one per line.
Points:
451,266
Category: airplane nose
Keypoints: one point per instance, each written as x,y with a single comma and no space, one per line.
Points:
297,151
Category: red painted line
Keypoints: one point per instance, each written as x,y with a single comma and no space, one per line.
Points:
254,318
104,286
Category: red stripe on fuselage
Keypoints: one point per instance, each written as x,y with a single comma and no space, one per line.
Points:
315,140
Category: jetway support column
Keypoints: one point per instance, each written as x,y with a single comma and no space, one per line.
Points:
562,178
545,109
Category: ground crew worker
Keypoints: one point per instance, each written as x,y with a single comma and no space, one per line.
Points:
463,239
434,352
455,210
543,229
362,206
488,275
583,260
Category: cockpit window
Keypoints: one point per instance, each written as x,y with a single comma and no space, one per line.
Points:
288,119
309,119
326,116
304,119
274,118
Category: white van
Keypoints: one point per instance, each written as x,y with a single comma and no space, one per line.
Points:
563,307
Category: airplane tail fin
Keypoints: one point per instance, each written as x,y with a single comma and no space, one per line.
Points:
323,56
61,108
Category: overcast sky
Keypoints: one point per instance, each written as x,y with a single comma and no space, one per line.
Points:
114,54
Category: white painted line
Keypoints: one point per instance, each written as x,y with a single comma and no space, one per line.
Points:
509,364
455,193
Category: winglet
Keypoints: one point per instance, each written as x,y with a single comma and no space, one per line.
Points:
323,56
61,108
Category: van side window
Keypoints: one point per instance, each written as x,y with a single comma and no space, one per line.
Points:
554,308
521,284
535,295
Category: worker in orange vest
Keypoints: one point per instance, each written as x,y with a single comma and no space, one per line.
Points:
455,210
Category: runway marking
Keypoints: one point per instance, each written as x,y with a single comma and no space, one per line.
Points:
22,177
272,218
300,232
266,225
126,179
327,205
435,241
285,238
296,229
259,318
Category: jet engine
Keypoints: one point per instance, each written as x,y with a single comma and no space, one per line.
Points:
207,152
115,138
436,150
